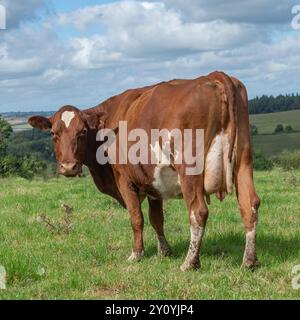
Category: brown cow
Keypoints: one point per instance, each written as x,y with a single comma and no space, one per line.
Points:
216,103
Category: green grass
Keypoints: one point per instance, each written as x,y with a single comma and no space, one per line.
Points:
90,262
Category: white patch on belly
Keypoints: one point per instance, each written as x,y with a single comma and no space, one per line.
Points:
67,117
218,170
166,182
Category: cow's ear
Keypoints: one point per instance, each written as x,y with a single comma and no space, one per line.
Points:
97,121
41,123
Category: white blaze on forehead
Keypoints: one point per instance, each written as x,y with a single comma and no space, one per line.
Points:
67,117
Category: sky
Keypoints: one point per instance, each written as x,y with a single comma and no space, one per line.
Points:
77,52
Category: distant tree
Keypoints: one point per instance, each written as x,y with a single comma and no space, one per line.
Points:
289,129
279,129
268,104
22,162
5,132
253,130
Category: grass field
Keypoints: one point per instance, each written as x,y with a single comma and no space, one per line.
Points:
271,144
89,262
267,122
274,144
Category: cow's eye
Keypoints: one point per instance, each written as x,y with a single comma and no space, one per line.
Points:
55,137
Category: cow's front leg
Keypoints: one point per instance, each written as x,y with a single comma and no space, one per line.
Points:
133,205
156,217
137,223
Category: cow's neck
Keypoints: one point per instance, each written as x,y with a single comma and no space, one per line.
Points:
102,174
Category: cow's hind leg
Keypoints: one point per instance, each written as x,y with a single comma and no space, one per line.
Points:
249,204
156,218
192,188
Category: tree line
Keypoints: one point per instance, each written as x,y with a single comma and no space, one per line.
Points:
269,104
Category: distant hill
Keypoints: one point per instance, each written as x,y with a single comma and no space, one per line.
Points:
21,114
266,123
18,120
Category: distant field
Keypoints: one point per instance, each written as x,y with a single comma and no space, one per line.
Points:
18,123
22,126
90,262
267,122
272,144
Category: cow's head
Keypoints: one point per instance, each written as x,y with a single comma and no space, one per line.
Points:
70,129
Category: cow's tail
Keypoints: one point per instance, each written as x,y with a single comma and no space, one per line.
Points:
229,107
232,109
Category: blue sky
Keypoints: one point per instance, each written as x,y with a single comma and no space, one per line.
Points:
81,52
68,5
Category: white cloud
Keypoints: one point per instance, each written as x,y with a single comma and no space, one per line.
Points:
142,28
30,50
53,75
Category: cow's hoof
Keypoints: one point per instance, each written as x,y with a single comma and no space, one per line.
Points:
136,256
190,266
250,264
164,250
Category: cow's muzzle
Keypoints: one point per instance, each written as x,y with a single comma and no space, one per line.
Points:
70,169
